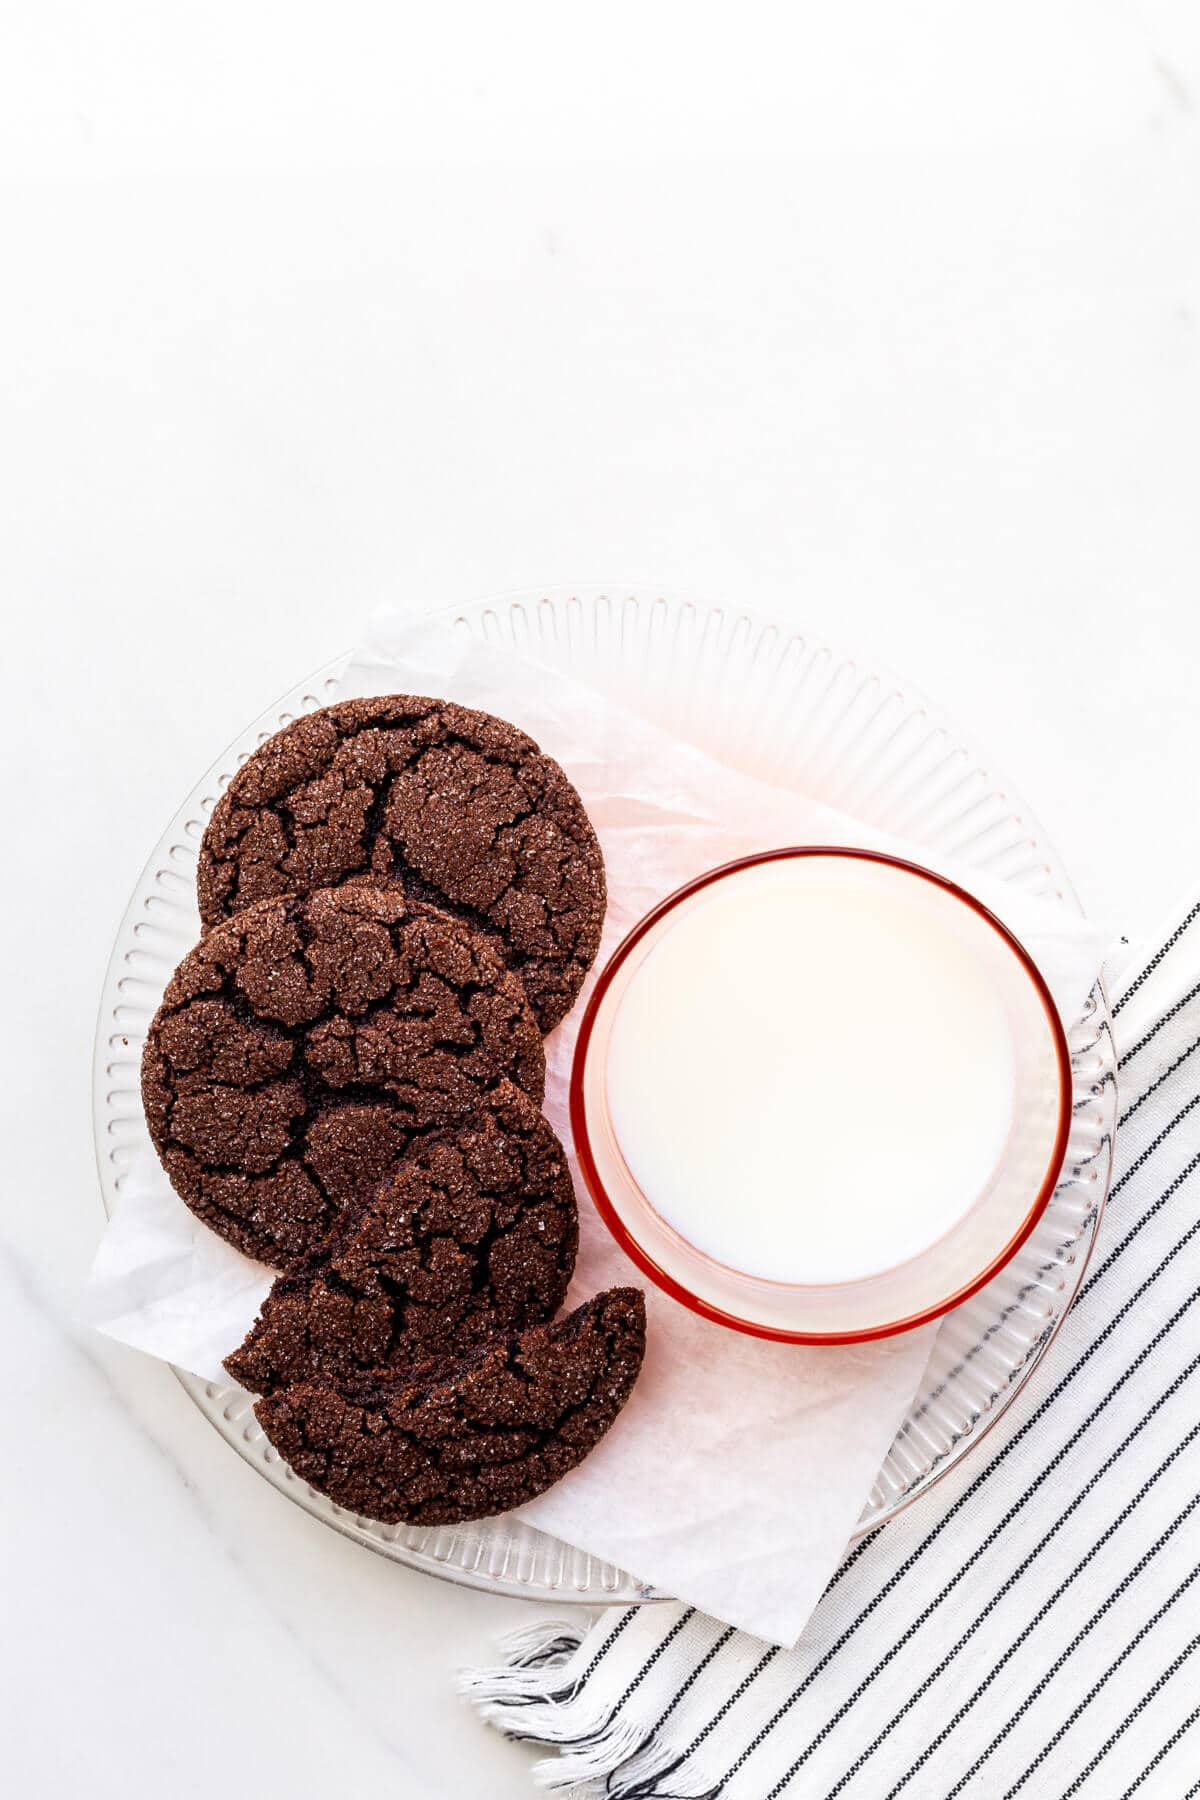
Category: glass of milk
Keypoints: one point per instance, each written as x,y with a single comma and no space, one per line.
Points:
821,1095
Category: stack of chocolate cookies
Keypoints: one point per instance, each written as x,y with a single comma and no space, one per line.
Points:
399,896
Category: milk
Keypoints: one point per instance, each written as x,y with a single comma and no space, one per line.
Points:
811,1075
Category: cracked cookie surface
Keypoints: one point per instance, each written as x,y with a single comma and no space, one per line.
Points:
304,1043
460,808
448,1443
472,1236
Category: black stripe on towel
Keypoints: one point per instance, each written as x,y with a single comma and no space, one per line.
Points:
663,1644
1157,1083
1029,1628
1082,1494
1089,1768
1154,1030
1120,1247
823,1662
1163,1751
1150,967
1059,1662
968,1493
625,1619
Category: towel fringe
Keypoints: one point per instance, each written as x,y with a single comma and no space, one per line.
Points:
648,1776
592,1758
625,1762
528,1676
600,1751
546,1640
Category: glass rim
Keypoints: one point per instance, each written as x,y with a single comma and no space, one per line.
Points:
621,1232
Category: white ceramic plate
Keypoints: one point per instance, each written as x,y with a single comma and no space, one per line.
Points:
790,710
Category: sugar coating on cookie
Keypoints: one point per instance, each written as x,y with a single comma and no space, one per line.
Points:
304,1044
459,807
461,1442
472,1236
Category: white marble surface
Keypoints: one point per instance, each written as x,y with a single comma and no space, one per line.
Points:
287,325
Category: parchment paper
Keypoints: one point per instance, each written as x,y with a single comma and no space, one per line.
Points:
738,1469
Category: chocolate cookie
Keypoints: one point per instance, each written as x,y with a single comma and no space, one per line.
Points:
471,1237
446,1444
460,808
304,1043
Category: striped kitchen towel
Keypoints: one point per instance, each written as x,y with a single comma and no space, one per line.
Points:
1028,1627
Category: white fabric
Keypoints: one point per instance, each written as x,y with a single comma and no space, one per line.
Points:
1028,1627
